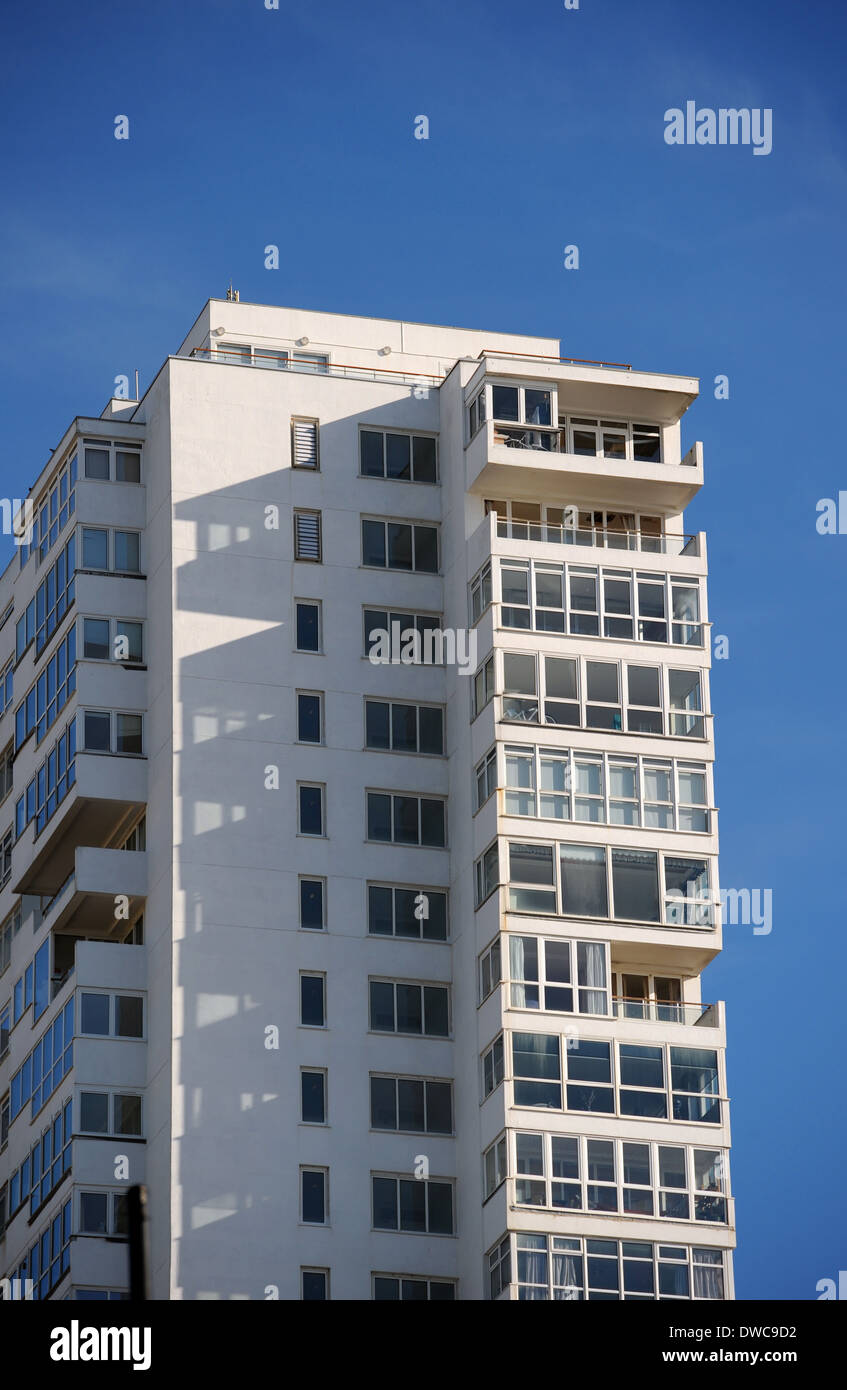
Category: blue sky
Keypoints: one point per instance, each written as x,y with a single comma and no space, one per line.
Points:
295,127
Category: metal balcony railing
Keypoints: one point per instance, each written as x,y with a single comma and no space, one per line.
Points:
657,1011
675,545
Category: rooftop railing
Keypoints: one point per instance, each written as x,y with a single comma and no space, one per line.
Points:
287,361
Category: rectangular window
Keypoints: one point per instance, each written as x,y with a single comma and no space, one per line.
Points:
411,1105
492,1067
487,869
494,1167
312,1096
558,976
404,728
387,454
480,592
313,1196
313,903
490,970
392,1288
307,536
400,545
485,779
406,820
483,686
304,443
309,716
416,1206
536,1070
313,1000
310,808
308,626
392,637
314,1285
419,914
406,1007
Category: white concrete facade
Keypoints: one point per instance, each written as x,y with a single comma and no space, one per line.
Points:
611,793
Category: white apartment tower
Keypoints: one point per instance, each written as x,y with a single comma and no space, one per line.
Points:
374,953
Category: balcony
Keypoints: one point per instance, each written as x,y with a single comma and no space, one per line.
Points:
107,790
532,462
86,901
654,1011
604,537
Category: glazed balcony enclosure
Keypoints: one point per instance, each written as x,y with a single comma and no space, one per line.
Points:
579,434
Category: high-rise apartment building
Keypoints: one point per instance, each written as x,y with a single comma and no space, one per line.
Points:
358,830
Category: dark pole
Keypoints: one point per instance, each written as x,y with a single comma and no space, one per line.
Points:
139,1255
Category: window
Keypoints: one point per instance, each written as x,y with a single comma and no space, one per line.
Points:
412,1289
111,1015
51,784
392,636
558,976
492,1067
529,405
387,454
536,1070
105,1112
313,903
106,732
308,626
46,1066
646,1081
564,1267
313,1196
6,684
416,1206
586,601
490,970
494,1166
411,1105
312,1096
238,353
487,873
304,443
314,363
404,728
485,778
499,1268
49,694
406,820
476,413
405,1007
483,686
307,536
51,514
480,588
6,842
107,639
400,545
314,1285
310,816
44,1167
48,1260
309,716
419,914
537,521
105,461
103,1213
110,550
621,884
9,928
614,439
313,1000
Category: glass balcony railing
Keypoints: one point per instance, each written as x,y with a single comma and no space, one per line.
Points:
659,1011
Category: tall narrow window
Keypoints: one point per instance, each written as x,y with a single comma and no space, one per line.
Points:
304,443
307,536
313,1185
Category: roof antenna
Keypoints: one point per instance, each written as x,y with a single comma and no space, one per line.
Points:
232,294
